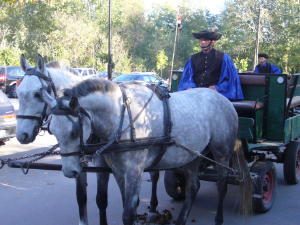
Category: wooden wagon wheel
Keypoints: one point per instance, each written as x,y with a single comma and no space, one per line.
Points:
264,186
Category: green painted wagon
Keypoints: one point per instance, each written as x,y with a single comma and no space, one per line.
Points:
269,127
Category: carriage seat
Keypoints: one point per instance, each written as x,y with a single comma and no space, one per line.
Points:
247,108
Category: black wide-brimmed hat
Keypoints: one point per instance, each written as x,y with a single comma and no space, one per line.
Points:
263,55
206,34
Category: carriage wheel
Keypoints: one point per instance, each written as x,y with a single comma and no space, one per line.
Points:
175,185
264,186
291,166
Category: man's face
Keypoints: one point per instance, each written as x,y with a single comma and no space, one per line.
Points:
262,60
206,44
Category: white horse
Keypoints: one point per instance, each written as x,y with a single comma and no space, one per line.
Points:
33,112
201,119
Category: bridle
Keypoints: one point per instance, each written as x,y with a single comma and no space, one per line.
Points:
50,87
79,113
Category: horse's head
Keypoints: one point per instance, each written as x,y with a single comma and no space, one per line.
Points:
32,109
71,125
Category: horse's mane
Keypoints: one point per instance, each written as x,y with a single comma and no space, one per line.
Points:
90,86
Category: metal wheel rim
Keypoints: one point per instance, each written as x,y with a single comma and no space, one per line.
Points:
268,188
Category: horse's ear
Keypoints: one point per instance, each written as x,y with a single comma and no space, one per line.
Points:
24,64
41,63
73,103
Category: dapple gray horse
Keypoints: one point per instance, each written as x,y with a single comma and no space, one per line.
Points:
33,111
201,118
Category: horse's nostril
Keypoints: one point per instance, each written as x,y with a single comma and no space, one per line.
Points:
74,173
25,136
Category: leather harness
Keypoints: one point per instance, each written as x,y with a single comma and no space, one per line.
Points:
115,144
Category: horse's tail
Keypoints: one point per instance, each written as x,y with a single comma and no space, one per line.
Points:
240,164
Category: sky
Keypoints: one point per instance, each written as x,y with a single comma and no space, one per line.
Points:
214,6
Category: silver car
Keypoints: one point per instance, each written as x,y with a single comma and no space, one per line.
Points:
7,119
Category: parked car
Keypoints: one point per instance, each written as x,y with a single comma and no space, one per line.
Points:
85,71
7,119
104,75
147,77
10,76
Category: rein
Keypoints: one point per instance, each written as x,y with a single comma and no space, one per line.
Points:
50,87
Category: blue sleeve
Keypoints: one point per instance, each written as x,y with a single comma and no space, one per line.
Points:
256,70
275,69
229,81
187,80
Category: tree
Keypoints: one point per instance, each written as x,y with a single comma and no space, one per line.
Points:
162,60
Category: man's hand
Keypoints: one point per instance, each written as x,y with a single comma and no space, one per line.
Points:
212,88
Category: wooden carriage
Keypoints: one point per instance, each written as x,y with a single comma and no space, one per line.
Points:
269,127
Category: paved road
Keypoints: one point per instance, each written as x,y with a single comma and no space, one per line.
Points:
48,198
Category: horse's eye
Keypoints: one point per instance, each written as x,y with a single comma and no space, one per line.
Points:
75,131
37,95
74,134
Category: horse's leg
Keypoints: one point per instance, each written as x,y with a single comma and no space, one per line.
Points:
129,183
101,198
192,187
222,190
81,194
154,201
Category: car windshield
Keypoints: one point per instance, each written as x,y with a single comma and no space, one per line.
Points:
15,71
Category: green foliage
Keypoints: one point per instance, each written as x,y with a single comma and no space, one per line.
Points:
162,61
76,31
10,56
241,64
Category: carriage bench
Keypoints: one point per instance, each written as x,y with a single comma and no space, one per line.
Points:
251,109
252,103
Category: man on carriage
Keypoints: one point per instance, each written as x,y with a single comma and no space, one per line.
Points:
211,68
264,66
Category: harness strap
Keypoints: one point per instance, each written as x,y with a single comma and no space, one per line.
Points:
116,137
67,154
126,101
38,118
163,94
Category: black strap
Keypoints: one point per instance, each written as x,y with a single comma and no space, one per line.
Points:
167,131
38,118
127,104
34,72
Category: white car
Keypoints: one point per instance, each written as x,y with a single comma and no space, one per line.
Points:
146,77
85,71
